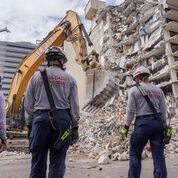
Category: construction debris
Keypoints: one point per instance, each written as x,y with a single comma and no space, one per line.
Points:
6,155
100,136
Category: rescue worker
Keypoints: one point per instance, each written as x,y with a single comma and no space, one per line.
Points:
43,136
3,142
147,127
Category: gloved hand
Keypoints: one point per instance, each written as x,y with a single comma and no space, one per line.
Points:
124,131
29,130
75,135
167,134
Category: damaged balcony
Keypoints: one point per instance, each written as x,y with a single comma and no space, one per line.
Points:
130,40
173,3
154,39
158,65
154,26
157,51
172,26
174,48
134,50
175,66
128,10
132,28
164,84
172,15
92,7
164,72
145,7
174,39
147,15
129,20
175,54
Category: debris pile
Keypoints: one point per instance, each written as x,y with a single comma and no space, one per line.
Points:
100,136
7,155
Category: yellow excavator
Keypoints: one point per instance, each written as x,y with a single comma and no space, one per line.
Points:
71,29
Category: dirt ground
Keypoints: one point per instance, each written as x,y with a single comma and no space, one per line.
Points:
19,168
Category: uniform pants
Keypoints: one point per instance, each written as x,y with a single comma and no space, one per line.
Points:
42,141
147,128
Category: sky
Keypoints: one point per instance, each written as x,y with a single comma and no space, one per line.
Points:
31,20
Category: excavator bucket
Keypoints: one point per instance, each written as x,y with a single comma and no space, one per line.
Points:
101,86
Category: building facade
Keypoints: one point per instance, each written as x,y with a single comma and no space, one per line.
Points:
11,54
137,32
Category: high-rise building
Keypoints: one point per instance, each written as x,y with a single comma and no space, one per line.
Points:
11,54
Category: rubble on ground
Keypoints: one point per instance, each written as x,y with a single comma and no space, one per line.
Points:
100,136
128,35
8,155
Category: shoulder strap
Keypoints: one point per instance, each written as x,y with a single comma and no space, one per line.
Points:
47,88
145,95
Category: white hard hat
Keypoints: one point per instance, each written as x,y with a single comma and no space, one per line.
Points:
141,70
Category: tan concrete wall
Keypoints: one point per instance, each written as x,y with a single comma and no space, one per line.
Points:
76,71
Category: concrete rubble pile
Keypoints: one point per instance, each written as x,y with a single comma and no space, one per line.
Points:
100,136
7,155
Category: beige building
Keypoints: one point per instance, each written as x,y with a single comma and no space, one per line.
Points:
76,71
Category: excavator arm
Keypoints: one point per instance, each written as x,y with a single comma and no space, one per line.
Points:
70,28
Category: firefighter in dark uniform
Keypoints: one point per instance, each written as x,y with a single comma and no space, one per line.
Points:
43,137
147,127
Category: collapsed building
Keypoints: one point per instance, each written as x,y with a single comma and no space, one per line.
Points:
137,32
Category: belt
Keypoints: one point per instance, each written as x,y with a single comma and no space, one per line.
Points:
39,111
147,115
43,110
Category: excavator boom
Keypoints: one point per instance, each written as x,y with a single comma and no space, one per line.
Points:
69,28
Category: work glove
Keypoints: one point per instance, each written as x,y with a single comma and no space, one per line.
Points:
167,134
75,135
124,131
3,145
29,127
